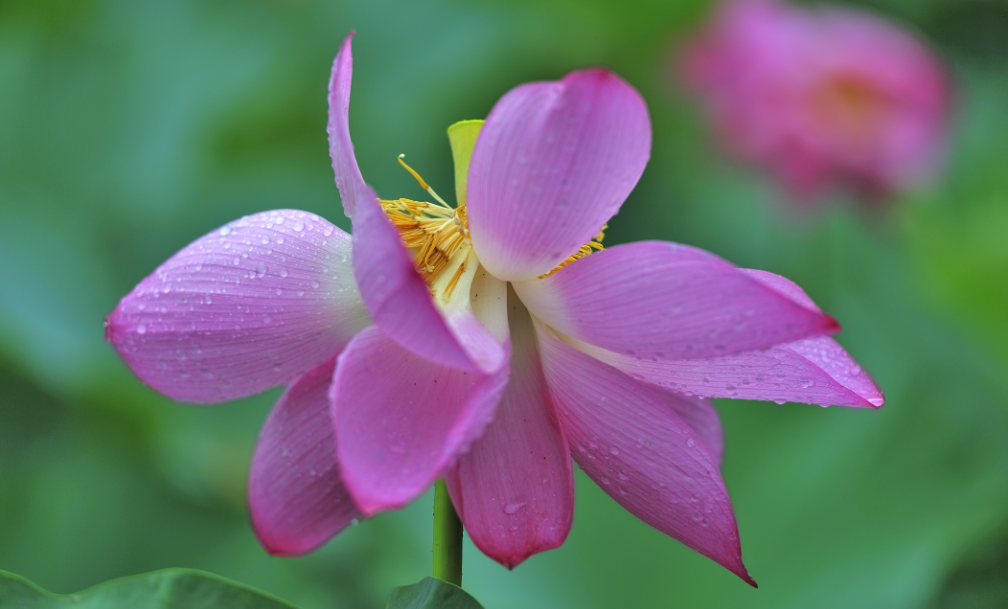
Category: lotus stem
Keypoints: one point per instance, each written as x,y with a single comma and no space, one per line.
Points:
447,537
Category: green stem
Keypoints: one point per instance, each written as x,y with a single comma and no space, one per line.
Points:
447,537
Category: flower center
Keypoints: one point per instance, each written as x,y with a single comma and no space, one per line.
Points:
437,232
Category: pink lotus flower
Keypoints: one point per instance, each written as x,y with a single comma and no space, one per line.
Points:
821,97
445,342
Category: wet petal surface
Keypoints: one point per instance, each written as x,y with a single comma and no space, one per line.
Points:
554,161
641,453
296,497
242,309
401,419
664,301
514,490
348,176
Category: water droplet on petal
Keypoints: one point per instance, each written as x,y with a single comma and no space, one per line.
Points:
514,506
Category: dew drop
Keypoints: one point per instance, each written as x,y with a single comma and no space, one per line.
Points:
283,272
279,291
514,506
142,329
299,226
614,451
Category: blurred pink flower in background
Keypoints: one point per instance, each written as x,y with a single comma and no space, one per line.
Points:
482,343
821,97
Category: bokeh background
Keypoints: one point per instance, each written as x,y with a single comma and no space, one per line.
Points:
129,128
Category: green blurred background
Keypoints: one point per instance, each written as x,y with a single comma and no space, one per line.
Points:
128,128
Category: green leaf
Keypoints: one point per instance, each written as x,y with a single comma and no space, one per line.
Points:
167,589
431,593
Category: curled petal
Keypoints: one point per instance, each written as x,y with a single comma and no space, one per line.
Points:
554,161
813,371
514,490
245,308
296,496
401,304
665,301
348,176
401,419
641,453
783,286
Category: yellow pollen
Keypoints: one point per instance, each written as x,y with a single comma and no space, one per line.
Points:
583,251
436,232
601,233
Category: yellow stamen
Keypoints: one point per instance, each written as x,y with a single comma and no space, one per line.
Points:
423,184
437,233
583,251
601,233
455,279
